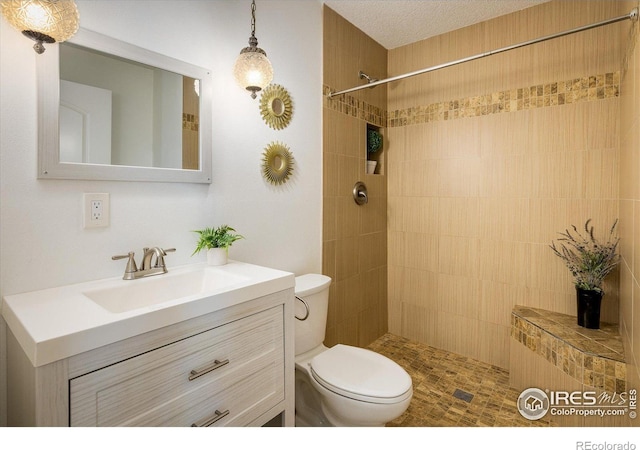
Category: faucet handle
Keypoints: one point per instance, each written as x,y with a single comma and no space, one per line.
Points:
160,258
131,265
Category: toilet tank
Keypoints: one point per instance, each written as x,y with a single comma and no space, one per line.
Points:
314,290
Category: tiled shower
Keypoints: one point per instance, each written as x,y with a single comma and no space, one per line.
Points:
483,164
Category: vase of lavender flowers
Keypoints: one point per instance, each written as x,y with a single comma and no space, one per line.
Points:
589,261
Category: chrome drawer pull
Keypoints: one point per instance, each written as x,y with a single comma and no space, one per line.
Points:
216,365
210,421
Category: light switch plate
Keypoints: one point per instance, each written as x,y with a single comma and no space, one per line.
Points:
96,210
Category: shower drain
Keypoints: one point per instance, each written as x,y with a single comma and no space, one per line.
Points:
463,395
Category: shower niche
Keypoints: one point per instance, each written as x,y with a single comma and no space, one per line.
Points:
374,150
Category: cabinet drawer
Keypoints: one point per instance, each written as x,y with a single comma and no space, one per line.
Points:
155,389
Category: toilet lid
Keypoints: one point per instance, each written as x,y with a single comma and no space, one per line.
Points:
360,374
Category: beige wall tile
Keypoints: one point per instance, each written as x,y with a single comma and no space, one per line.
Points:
347,217
395,144
329,259
372,251
626,301
347,262
459,256
420,288
627,232
420,324
419,178
348,174
497,301
395,213
504,219
505,183
493,344
474,202
373,216
355,238
635,267
421,215
395,275
459,295
396,248
330,175
507,262
329,218
458,334
459,177
421,251
457,216
635,331
600,174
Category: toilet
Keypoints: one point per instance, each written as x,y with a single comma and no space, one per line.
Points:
342,386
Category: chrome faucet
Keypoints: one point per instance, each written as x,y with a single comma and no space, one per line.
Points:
131,272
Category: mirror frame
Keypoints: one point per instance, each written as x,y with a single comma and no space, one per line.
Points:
273,172
270,94
48,83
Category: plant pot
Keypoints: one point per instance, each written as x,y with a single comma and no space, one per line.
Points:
371,167
589,302
217,256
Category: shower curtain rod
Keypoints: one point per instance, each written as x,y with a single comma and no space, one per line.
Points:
633,15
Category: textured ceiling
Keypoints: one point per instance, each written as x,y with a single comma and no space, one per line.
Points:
394,23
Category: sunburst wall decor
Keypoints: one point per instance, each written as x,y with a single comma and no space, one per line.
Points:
276,106
277,163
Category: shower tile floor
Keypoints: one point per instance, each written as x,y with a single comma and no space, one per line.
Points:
443,383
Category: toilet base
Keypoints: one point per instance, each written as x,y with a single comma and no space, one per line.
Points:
308,407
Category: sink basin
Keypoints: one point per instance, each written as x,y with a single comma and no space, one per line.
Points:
158,289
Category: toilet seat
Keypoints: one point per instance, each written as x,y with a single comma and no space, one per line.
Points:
361,375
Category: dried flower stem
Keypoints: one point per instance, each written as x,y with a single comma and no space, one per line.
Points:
588,260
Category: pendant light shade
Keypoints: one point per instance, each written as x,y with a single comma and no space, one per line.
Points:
253,70
42,20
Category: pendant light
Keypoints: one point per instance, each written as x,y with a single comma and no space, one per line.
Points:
42,20
253,70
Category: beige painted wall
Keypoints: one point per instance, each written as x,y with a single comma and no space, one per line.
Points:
487,161
354,237
630,203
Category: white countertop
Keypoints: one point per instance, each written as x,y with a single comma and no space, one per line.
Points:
56,323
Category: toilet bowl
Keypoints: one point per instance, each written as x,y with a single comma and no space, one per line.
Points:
342,385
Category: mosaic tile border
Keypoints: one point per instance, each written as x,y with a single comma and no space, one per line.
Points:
190,122
351,106
588,88
595,358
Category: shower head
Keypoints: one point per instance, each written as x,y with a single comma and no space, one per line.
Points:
364,76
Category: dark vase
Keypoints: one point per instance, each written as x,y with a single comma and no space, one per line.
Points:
589,308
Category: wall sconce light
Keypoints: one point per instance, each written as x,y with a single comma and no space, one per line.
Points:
253,70
42,20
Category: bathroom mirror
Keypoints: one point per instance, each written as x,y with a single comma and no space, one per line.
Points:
276,107
108,110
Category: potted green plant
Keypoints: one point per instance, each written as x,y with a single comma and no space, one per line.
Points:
216,241
374,143
589,261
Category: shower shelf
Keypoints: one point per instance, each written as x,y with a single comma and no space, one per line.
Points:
373,132
595,358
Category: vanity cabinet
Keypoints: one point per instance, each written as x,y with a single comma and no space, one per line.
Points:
232,367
